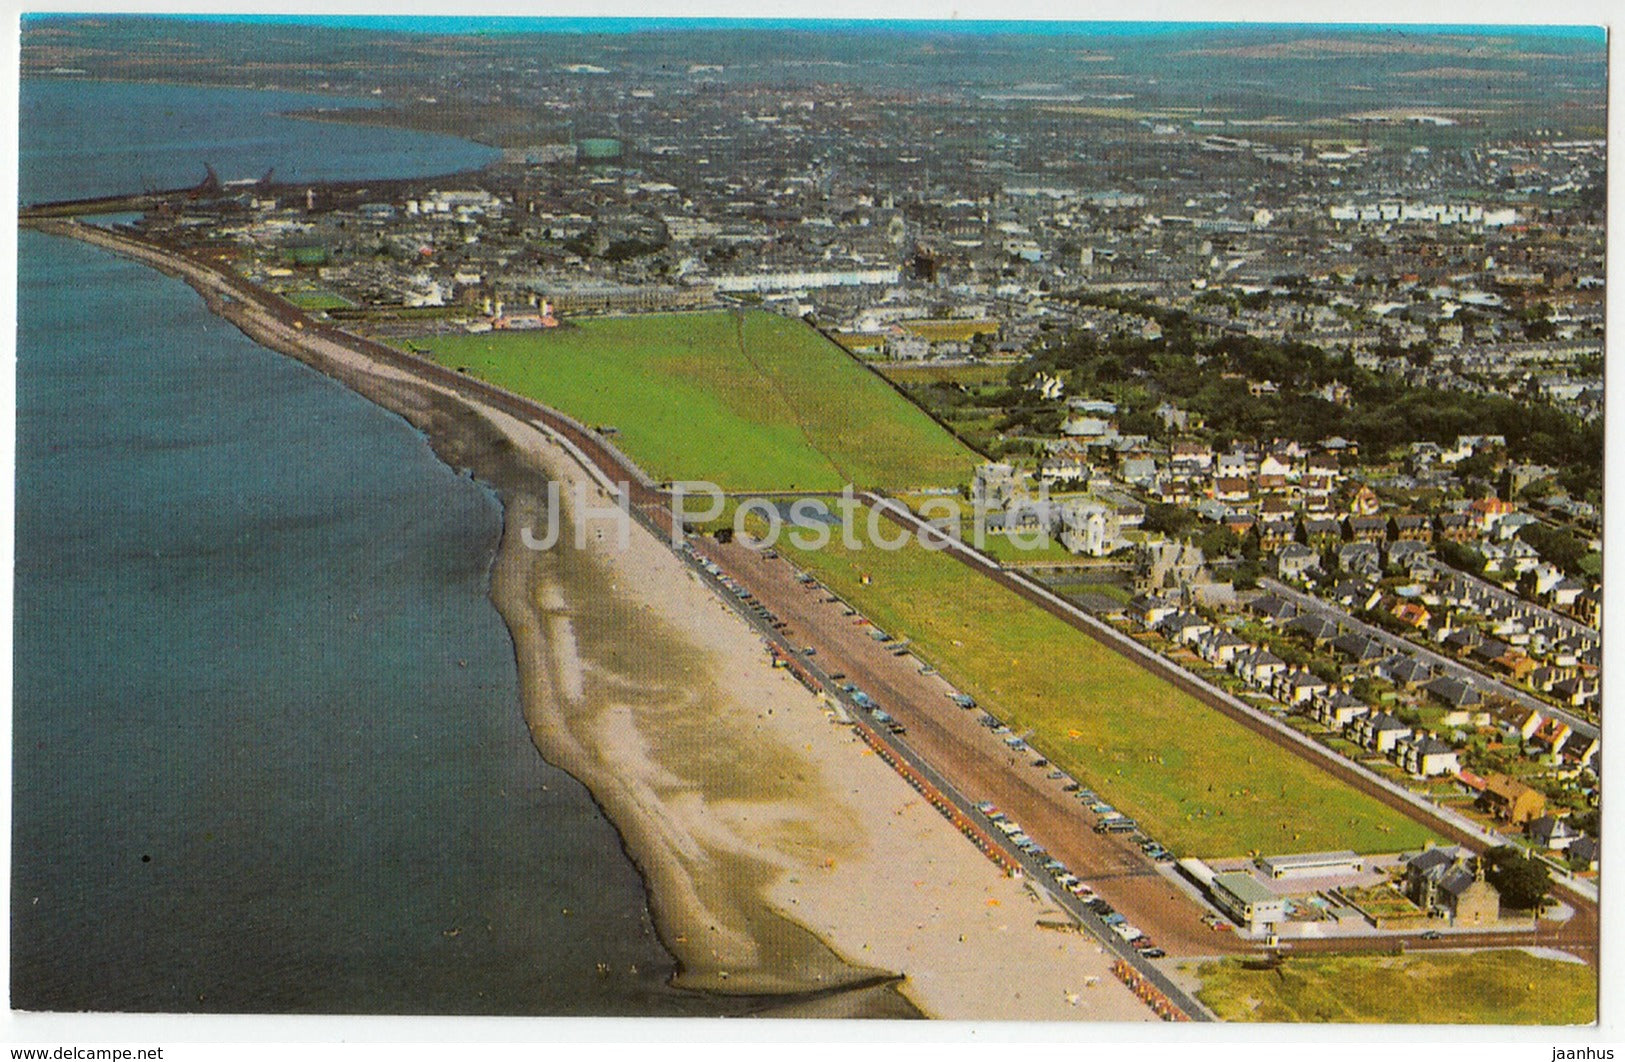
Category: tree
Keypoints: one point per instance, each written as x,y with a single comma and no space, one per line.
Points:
1555,545
1522,882
1170,520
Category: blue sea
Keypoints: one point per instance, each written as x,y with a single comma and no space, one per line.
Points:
268,750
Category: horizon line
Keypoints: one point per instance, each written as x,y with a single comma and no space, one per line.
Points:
505,25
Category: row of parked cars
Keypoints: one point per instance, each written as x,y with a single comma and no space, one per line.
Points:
876,712
755,607
1110,820
1070,881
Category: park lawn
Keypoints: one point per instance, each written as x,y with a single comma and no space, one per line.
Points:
1473,988
1007,550
748,401
1195,779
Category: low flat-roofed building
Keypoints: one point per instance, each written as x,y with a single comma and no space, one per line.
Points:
1312,864
1247,901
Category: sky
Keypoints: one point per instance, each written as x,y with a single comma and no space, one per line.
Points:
578,24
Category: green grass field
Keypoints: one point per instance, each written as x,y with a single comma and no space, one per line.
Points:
749,402
1478,988
1195,779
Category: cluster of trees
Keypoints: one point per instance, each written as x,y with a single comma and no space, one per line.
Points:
1522,882
1556,546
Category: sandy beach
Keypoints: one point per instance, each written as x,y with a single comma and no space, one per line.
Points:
784,860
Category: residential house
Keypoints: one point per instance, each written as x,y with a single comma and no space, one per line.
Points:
1406,672
1425,756
1315,626
1510,800
1337,708
1578,691
1257,667
1411,557
1320,531
1585,853
1485,513
1148,610
1359,648
1410,527
1183,628
1294,561
1236,464
1196,456
1219,646
1365,528
1411,613
1090,528
1355,595
1452,692
1137,471
1455,527
1361,559
1450,882
1552,833
1365,503
1272,607
1379,731
1232,489
1276,464
1551,736
1298,687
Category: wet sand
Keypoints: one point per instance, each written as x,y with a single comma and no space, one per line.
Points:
784,861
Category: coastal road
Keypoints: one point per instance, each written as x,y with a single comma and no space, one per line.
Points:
976,760
1441,664
966,763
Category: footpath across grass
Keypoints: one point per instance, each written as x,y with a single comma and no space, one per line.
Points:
749,401
1195,779
1468,988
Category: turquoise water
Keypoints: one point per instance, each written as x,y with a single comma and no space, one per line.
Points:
268,753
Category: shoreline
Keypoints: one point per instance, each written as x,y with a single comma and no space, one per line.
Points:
815,884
